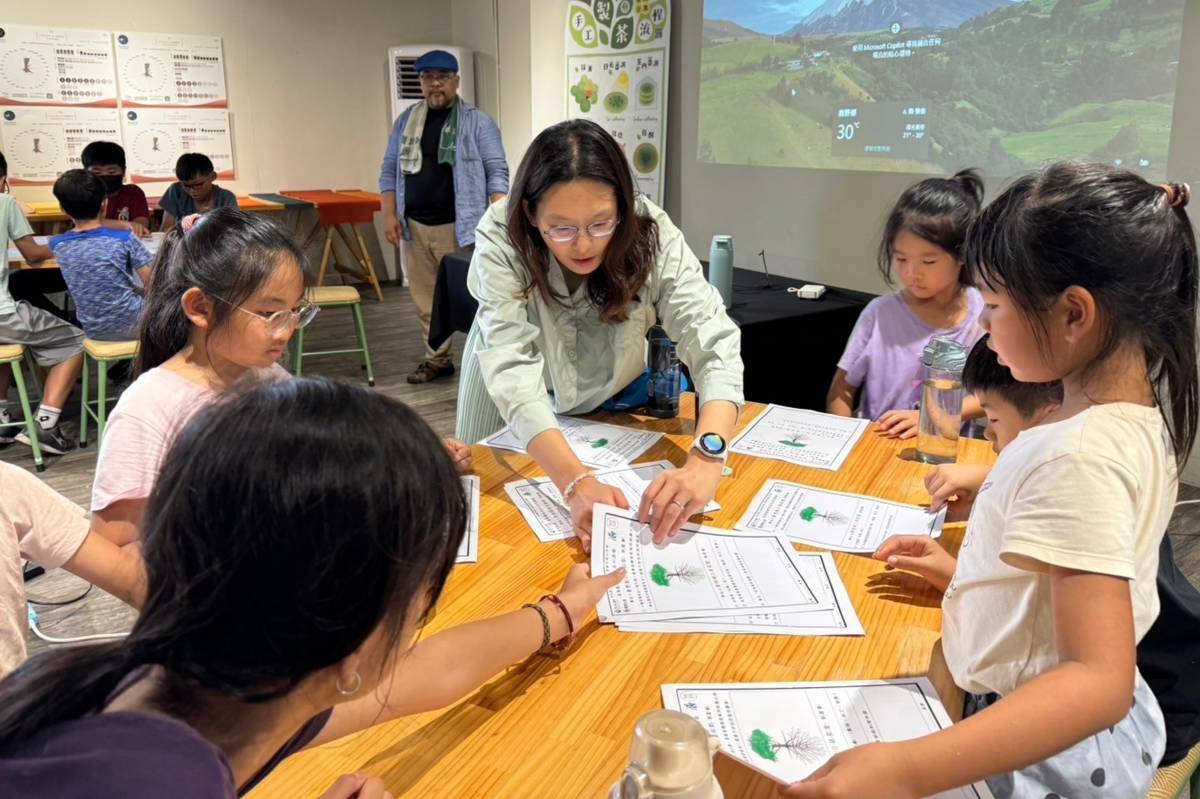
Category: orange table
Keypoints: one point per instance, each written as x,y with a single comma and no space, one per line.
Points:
560,727
334,209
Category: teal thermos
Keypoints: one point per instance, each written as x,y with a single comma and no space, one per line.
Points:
720,267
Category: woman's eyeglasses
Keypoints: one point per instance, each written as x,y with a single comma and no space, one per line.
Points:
282,321
565,234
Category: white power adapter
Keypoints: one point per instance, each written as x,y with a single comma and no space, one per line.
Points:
809,291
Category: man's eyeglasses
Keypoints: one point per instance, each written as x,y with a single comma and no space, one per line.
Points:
282,321
565,234
437,77
196,184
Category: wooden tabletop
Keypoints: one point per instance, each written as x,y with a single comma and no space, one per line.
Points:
561,728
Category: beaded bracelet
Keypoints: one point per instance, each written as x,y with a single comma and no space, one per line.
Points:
569,491
545,624
570,639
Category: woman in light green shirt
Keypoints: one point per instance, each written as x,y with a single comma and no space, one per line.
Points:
570,272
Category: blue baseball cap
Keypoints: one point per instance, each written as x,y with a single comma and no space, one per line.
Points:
436,59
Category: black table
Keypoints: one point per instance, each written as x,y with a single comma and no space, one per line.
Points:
790,346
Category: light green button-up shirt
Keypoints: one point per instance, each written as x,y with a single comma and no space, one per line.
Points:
539,358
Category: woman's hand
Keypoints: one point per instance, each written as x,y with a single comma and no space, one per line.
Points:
898,424
921,555
588,492
877,770
678,494
580,591
460,453
357,786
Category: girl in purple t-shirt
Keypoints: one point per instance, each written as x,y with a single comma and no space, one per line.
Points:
879,374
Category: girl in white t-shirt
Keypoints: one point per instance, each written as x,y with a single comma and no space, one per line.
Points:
227,291
1088,275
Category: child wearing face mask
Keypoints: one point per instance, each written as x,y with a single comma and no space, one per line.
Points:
127,206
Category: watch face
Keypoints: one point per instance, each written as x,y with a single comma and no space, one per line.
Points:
712,443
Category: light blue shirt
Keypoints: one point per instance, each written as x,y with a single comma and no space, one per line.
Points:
480,169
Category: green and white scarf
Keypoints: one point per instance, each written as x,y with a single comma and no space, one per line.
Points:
410,147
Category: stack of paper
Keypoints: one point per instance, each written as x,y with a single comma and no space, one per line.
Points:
468,550
595,444
805,438
833,520
712,580
550,518
788,730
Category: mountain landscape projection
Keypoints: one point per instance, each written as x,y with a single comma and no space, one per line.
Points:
932,86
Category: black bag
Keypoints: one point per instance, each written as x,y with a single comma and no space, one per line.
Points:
1169,656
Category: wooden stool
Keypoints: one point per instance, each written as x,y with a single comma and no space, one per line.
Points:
12,354
332,297
103,353
1180,781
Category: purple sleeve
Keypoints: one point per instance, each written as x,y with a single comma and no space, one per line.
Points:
301,739
854,360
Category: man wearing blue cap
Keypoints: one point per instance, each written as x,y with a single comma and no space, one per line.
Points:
444,165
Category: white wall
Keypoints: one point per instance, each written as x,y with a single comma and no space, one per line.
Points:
307,79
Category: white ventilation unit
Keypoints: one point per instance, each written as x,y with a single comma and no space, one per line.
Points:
406,88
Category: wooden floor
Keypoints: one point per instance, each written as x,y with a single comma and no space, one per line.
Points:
396,348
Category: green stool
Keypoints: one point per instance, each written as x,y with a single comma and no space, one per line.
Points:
103,353
12,354
332,297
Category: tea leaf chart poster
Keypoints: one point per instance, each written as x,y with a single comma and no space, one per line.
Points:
617,77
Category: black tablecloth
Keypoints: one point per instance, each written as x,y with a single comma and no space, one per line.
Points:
790,346
453,306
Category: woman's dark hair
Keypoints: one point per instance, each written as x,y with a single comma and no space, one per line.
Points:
574,150
939,210
984,372
228,254
1126,241
281,533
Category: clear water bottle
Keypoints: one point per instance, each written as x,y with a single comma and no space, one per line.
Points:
720,267
670,758
663,401
941,400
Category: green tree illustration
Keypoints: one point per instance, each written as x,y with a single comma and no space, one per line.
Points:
833,517
797,743
799,441
684,572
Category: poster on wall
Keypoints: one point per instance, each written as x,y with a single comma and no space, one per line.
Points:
170,70
56,66
156,137
42,142
617,77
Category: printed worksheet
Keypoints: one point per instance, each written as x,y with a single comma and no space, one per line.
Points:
805,438
702,572
788,730
598,445
56,66
833,520
151,244
171,70
550,518
820,573
468,550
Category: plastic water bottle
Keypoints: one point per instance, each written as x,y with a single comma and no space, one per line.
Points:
941,400
720,267
670,758
663,391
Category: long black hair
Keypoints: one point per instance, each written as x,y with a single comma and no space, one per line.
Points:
1128,242
939,210
229,254
281,533
574,150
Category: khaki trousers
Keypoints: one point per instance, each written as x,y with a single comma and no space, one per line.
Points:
422,256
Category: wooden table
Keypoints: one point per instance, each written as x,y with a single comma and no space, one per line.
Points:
551,728
336,208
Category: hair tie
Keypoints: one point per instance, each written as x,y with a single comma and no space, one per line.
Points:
1178,194
188,222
